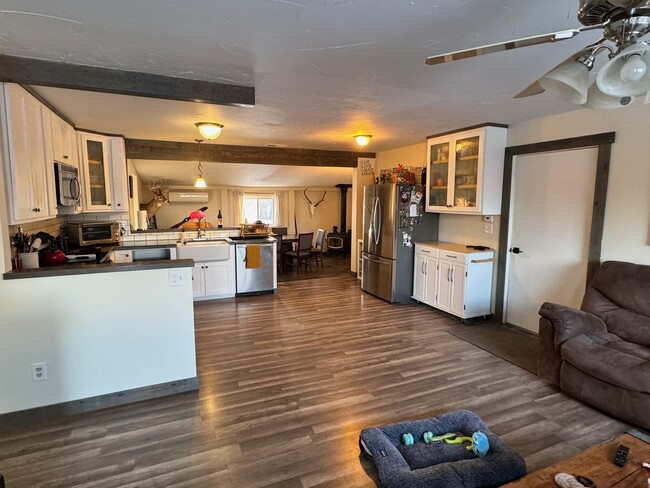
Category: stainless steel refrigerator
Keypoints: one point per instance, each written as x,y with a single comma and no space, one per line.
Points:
393,219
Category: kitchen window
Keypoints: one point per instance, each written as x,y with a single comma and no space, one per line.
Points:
259,207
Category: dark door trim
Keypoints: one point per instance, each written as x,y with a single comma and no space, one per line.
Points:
604,144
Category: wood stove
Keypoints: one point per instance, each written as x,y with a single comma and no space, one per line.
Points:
340,240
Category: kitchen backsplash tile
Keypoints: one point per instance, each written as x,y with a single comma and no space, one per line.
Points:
50,226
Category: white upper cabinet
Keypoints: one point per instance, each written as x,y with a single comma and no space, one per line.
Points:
465,171
64,142
103,167
26,167
119,177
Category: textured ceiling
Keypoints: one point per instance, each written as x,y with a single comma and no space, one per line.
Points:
322,69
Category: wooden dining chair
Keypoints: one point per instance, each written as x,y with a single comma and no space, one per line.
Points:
316,252
300,257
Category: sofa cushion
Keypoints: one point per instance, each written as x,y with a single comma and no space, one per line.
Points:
610,359
618,295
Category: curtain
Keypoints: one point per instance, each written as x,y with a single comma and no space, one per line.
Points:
235,201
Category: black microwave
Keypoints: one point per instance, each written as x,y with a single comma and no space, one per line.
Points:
90,233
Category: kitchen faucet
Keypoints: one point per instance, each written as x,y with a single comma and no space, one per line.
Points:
202,231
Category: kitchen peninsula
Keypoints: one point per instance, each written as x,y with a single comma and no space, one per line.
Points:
107,333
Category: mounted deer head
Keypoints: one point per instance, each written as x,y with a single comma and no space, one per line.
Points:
312,206
158,187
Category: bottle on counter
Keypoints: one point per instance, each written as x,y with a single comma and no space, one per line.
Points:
219,220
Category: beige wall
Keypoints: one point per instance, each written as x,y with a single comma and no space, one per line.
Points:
326,215
627,218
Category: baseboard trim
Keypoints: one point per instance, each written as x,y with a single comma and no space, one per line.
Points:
84,405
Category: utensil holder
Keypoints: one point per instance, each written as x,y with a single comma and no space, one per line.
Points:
29,260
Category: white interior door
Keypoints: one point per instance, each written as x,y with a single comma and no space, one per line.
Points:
551,209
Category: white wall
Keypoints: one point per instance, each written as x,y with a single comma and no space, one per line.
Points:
98,334
627,217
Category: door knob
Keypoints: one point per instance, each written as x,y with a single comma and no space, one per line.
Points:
516,250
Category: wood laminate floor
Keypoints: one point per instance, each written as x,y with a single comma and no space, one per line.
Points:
287,382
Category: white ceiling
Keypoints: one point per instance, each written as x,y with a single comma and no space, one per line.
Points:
323,70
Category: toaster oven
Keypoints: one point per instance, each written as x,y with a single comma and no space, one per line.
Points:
90,233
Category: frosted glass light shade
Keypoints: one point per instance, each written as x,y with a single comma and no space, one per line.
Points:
209,130
200,183
569,81
598,100
362,139
627,74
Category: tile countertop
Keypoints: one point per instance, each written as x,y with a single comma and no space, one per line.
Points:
93,268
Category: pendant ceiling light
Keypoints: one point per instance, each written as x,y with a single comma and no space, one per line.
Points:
200,182
209,130
362,139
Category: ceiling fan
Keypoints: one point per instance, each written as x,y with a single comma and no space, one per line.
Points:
625,75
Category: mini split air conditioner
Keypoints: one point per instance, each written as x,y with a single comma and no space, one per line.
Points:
188,197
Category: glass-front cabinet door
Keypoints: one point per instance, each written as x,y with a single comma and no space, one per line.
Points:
438,175
96,172
466,173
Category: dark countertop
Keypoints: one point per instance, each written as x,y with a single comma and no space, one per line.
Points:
93,268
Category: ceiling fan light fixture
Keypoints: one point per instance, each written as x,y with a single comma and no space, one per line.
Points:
362,139
209,130
627,73
569,81
598,100
634,68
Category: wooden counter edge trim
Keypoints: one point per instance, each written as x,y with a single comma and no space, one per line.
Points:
74,407
86,269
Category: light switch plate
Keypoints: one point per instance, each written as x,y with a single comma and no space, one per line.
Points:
177,278
488,228
488,218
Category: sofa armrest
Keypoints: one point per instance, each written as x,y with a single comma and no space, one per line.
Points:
569,322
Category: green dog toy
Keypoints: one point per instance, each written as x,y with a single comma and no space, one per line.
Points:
479,441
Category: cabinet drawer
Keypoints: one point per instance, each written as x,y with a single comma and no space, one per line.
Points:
457,257
431,252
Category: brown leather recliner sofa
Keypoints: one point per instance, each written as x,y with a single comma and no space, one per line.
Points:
600,354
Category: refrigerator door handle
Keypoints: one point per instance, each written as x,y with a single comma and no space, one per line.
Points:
376,226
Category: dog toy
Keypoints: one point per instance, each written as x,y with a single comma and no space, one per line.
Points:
407,439
479,441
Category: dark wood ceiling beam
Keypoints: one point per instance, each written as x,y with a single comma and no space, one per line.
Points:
220,153
81,77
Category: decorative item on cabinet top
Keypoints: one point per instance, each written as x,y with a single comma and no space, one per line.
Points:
411,175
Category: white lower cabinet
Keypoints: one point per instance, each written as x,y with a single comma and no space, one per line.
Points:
213,279
453,278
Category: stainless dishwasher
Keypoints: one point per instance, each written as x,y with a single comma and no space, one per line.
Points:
255,280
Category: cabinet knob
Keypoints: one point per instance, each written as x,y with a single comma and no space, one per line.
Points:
65,157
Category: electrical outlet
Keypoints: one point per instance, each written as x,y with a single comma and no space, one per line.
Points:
39,371
488,228
177,278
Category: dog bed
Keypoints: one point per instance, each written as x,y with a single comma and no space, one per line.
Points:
439,464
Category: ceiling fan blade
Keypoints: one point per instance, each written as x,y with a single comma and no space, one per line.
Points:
505,46
531,90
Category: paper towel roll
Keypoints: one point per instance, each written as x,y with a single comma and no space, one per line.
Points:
142,220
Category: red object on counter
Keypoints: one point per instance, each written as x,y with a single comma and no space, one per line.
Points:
54,257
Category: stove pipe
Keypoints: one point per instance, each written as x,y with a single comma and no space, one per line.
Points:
343,188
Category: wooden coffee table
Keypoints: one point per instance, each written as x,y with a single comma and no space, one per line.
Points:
597,464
